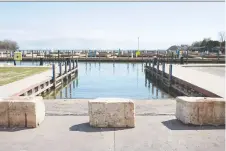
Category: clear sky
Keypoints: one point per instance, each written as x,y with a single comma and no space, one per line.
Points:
109,25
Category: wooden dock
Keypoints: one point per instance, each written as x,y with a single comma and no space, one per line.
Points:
179,81
43,82
121,59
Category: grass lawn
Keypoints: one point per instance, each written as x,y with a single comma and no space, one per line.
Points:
11,74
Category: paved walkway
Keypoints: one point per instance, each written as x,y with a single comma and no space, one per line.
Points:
156,132
218,71
64,107
202,79
17,86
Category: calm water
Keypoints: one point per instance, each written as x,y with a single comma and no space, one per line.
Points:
94,80
125,80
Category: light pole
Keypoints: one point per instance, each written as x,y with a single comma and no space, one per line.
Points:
138,47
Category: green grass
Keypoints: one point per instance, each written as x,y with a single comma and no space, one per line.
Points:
11,74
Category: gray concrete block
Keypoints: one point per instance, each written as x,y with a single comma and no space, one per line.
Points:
22,111
200,110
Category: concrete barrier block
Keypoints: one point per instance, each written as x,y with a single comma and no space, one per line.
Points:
3,113
111,112
24,111
200,110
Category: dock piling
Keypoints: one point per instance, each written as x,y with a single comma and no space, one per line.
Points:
170,73
54,75
65,65
32,55
163,69
69,64
60,68
58,55
73,63
158,67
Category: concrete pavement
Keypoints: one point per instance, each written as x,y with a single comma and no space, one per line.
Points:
152,133
205,80
156,130
79,107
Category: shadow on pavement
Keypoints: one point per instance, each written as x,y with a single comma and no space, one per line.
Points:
85,127
175,124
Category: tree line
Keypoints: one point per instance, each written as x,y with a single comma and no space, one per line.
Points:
9,45
210,44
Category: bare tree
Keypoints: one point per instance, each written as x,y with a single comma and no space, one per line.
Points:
9,45
222,36
222,39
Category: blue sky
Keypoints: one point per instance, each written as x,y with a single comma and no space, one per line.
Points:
109,25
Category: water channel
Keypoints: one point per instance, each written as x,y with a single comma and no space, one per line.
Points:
96,79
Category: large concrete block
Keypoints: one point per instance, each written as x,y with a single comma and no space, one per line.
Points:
200,110
3,113
22,111
111,112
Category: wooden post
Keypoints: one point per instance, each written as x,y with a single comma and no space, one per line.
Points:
73,63
170,73
60,68
45,55
157,55
157,69
163,69
65,63
69,64
76,63
7,55
153,67
58,55
158,66
54,75
167,58
36,55
32,55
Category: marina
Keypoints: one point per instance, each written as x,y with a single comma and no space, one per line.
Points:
128,80
113,56
112,76
100,79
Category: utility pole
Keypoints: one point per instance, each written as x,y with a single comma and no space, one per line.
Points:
138,48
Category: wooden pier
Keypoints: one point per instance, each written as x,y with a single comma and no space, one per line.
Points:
180,81
61,73
122,59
